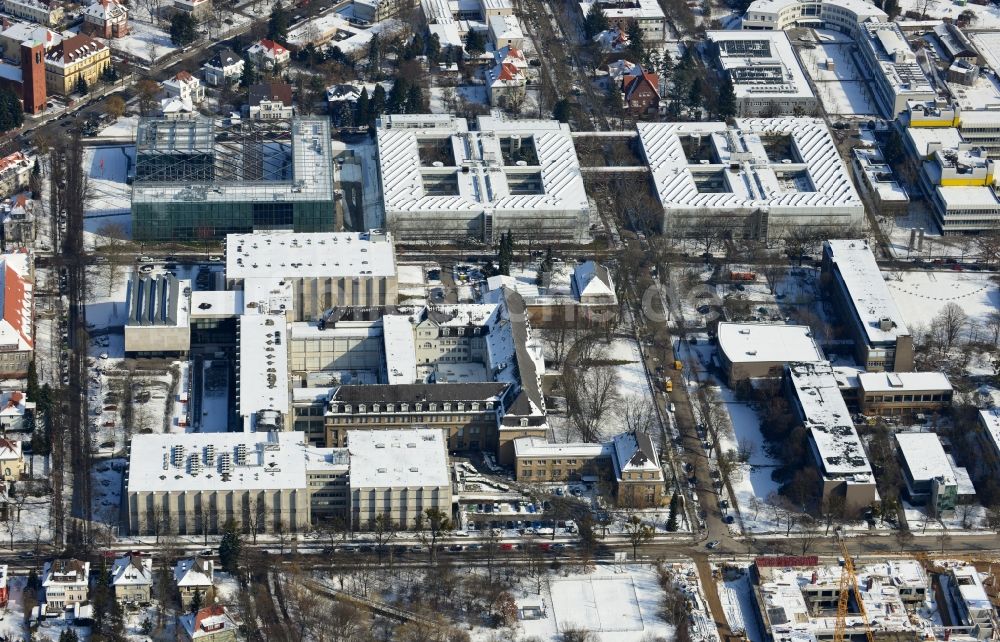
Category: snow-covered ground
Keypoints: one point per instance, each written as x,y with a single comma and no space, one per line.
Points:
987,17
123,127
109,192
842,89
964,517
736,595
106,480
144,42
922,294
618,606
752,481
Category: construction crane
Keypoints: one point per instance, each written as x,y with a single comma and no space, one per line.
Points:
849,580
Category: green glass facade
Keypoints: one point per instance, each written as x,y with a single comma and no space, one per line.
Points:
202,179
187,220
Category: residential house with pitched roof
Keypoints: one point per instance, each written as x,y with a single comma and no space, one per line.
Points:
271,101
210,624
15,170
11,460
132,578
65,584
105,19
14,407
194,575
641,93
184,86
17,302
639,476
267,55
224,68
506,83
18,216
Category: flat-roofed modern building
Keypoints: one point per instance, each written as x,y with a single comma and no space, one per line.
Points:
400,473
203,178
842,15
896,76
878,181
866,307
647,14
159,316
903,393
326,270
835,445
749,350
441,180
761,178
194,483
970,601
766,75
931,475
957,176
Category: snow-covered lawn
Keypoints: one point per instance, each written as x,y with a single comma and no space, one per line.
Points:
123,127
971,517
144,42
108,168
842,89
751,481
988,17
618,607
922,294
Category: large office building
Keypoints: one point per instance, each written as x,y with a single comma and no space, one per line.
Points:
761,178
897,77
204,178
443,181
398,473
842,15
957,176
766,75
835,444
194,483
326,270
866,307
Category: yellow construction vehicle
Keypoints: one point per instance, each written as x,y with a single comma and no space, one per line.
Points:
849,580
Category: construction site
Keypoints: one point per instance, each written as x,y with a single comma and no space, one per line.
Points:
798,598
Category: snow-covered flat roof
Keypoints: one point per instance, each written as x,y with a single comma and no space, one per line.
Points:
748,56
896,61
217,461
293,254
207,304
825,415
903,381
814,177
482,179
970,587
873,303
400,349
643,9
406,458
263,368
766,342
924,455
540,447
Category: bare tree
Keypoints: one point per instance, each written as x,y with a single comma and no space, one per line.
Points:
772,275
949,323
591,386
384,530
638,413
638,533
